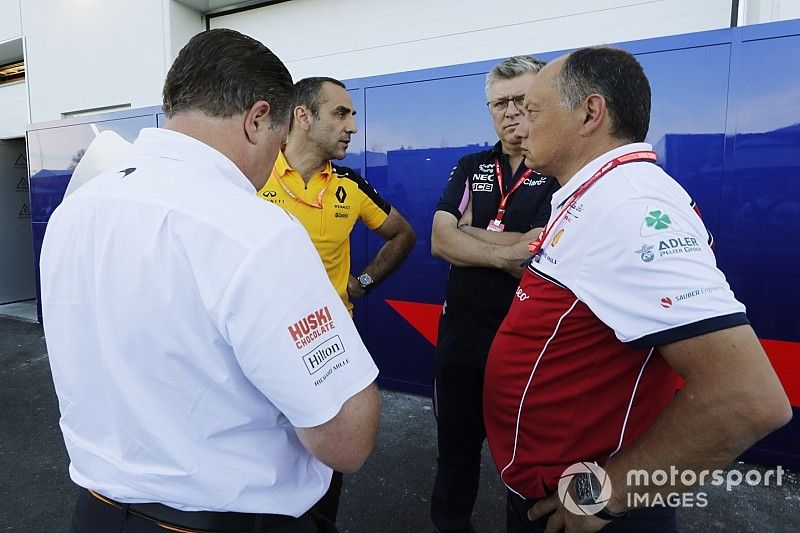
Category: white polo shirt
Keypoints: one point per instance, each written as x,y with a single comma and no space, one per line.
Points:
190,327
574,372
635,250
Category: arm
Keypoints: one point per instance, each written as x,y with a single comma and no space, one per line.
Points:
731,399
344,442
400,238
504,238
459,248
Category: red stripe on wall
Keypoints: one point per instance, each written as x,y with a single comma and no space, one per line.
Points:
785,356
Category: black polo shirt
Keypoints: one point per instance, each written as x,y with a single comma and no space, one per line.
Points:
478,298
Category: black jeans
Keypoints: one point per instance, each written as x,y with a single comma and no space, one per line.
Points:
92,515
458,406
644,520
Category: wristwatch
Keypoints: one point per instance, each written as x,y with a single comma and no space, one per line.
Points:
587,492
366,281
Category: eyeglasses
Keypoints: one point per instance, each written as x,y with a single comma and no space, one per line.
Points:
500,105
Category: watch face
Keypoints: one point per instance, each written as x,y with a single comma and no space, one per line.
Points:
365,280
585,492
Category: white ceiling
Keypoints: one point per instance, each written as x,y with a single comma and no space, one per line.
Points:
210,7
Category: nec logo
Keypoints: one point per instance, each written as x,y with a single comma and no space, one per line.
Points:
269,194
482,187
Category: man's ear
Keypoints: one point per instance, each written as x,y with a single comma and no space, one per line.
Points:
302,117
257,120
595,114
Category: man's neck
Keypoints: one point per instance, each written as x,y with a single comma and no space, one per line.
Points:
588,155
514,153
308,163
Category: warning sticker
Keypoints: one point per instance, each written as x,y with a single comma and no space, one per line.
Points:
25,212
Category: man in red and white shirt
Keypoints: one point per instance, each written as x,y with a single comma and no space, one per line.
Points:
621,296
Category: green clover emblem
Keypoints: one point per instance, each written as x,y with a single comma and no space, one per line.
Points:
657,220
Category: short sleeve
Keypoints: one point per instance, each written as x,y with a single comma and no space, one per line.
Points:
456,193
290,332
650,275
373,208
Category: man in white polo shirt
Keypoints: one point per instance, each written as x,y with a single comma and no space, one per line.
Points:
209,377
622,295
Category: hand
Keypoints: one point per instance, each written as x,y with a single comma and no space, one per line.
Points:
354,289
512,256
563,520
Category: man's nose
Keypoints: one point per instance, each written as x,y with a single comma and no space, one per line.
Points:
351,127
511,109
521,130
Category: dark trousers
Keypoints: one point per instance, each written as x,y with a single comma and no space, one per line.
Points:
644,520
458,406
91,515
328,505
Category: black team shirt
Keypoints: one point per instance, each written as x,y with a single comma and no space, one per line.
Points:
478,298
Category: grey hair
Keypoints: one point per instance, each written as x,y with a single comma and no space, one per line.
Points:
511,68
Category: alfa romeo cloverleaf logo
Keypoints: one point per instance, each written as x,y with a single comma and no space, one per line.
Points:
657,220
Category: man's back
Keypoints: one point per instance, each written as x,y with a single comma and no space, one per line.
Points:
157,301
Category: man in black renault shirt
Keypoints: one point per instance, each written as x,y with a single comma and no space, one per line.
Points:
492,207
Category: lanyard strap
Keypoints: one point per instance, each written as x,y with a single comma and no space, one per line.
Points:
633,157
296,198
501,210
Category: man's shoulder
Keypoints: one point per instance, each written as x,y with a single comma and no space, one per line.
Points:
475,159
346,173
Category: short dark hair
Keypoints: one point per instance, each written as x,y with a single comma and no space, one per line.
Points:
307,93
512,67
618,77
223,73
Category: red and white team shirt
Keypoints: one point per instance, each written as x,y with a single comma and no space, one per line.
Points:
574,373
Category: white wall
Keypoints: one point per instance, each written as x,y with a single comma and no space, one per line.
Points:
757,11
88,54
13,110
354,38
10,24
183,23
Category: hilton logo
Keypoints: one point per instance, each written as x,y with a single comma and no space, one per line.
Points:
323,354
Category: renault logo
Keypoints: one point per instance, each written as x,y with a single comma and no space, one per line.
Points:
341,194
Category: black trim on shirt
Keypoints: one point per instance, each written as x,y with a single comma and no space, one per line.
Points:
544,276
366,188
687,331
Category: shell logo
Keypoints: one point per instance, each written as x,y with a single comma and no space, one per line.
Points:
557,237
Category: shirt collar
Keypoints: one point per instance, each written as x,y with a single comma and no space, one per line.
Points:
282,167
583,175
169,144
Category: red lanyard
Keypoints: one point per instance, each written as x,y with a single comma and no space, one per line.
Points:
501,210
296,198
633,157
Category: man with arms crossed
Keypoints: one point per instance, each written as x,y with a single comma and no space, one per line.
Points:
622,293
328,199
208,376
492,207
